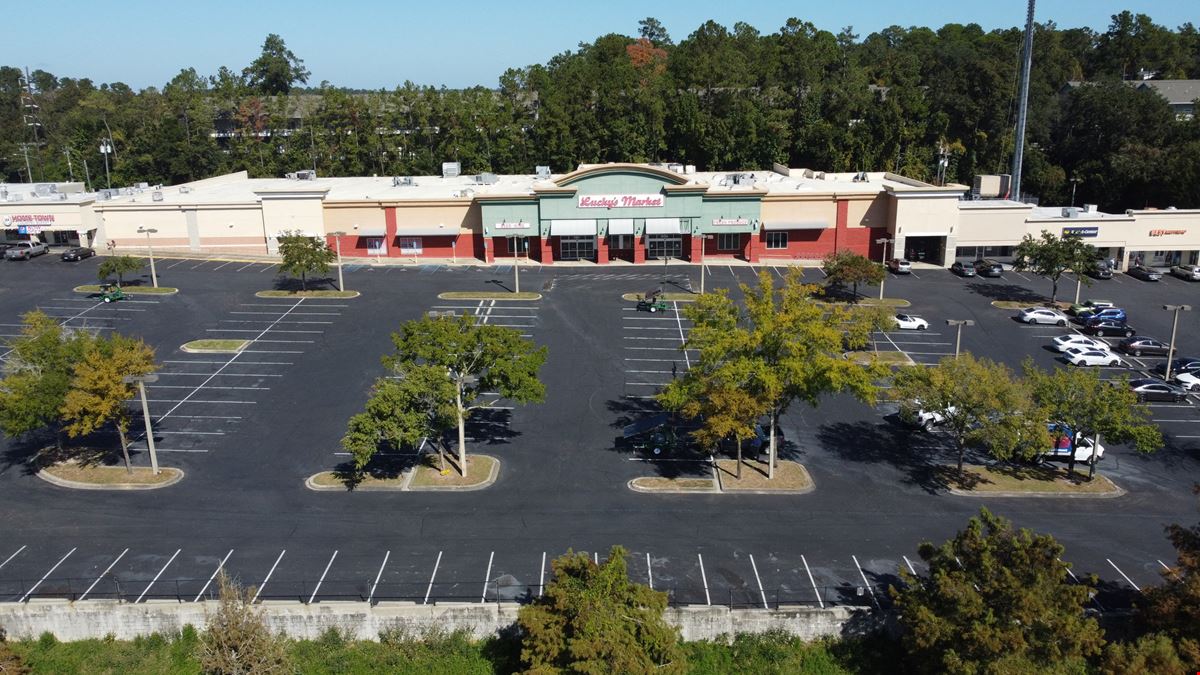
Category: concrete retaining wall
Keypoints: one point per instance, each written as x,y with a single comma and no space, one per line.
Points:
97,618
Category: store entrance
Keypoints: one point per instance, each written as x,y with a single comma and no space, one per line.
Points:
576,248
930,250
659,246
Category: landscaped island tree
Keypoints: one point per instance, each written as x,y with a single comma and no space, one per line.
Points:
483,365
848,267
118,266
781,347
302,255
1051,257
415,402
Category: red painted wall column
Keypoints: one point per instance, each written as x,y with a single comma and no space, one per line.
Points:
545,250
695,248
753,246
639,250
839,230
601,250
389,237
489,249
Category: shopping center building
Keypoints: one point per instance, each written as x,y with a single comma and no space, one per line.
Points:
601,214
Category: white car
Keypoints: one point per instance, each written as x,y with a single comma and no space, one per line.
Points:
1064,342
1062,450
1188,380
1081,356
910,322
1043,315
917,416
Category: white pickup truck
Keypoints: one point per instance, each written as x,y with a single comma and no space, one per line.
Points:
926,420
24,250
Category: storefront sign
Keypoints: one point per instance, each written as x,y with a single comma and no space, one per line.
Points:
29,229
621,201
511,226
39,219
731,221
1080,231
1166,233
410,246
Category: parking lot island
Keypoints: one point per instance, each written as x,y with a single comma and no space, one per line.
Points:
676,485
488,295
80,476
1027,481
791,478
425,476
130,290
324,293
214,346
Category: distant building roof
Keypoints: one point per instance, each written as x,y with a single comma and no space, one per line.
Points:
1175,91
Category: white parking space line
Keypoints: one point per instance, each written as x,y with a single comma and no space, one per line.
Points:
267,267
487,577
214,575
45,576
159,432
1168,569
649,571
865,582
812,581
268,577
9,558
1123,575
704,578
193,401
433,576
202,263
208,417
188,386
177,264
322,579
161,373
102,574
908,562
223,265
245,266
371,596
156,576
542,576
758,579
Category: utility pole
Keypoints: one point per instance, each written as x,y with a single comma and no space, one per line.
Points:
150,247
1023,104
28,171
29,118
105,148
70,167
883,261
337,240
958,339
141,381
1174,326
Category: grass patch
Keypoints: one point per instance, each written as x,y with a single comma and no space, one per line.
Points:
326,293
789,476
669,297
1024,304
887,358
215,346
110,476
338,479
130,290
868,302
488,295
480,470
1045,479
659,483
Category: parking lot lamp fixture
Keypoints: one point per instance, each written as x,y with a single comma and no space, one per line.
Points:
1174,326
149,231
958,338
883,260
141,381
337,242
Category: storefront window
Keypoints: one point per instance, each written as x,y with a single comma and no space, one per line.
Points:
620,241
577,248
777,239
729,241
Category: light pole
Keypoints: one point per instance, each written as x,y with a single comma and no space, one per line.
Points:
703,242
1074,182
105,148
149,231
958,338
337,242
516,251
883,261
141,381
1174,325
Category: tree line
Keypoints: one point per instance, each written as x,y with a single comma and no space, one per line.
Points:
900,99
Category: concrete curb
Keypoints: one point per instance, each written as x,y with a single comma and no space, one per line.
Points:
720,489
457,295
130,291
259,294
311,484
714,490
487,482
633,297
193,350
1120,492
75,485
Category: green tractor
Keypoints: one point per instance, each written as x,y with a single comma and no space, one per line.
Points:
111,293
652,302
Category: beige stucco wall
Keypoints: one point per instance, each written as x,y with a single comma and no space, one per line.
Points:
1001,225
351,218
120,224
872,212
239,221
924,215
1146,231
800,210
454,217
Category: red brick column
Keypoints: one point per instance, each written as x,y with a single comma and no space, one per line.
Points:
753,246
639,250
389,235
545,252
843,214
489,250
695,252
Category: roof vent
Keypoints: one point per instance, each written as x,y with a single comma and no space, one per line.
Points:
1070,212
542,171
677,168
157,196
184,189
451,169
307,174
143,186
486,179
402,181
689,169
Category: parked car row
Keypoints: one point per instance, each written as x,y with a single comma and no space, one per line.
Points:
24,250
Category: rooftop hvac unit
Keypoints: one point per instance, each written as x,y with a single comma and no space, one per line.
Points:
16,197
1090,208
42,189
451,169
542,171
402,181
61,196
689,168
290,176
184,189
156,196
143,186
3,194
486,179
307,174
1070,212
677,168
742,178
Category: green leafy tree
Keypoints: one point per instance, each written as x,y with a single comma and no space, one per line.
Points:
237,640
413,404
995,600
593,619
790,347
1154,654
717,395
1090,405
1173,607
276,69
982,404
847,267
118,266
99,395
37,375
1050,256
482,363
303,255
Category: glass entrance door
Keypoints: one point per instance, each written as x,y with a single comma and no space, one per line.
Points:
576,248
659,246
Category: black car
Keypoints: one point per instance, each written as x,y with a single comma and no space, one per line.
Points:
1157,390
1138,346
988,268
1102,327
78,253
1101,271
1144,273
963,269
1183,364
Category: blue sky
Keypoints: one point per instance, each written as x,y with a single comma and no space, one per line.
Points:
373,44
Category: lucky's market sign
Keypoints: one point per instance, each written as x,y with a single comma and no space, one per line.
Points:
629,201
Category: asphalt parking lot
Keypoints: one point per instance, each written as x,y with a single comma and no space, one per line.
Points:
247,430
